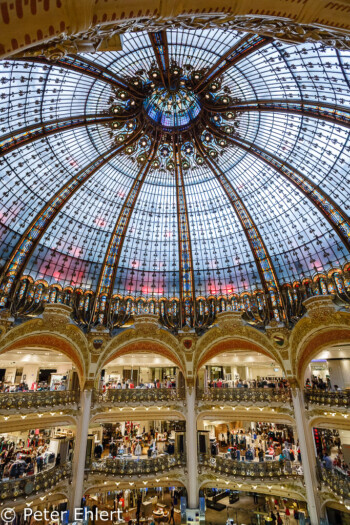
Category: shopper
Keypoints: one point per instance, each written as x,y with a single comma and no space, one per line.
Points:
172,516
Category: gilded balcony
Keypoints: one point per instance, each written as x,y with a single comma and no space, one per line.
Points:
339,399
275,397
334,479
138,467
140,396
265,470
26,486
31,401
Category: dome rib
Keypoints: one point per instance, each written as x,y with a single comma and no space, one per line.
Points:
108,272
160,47
87,67
241,50
262,258
323,111
12,141
33,234
340,61
186,270
330,210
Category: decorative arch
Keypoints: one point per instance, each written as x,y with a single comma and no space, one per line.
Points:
337,421
142,346
333,503
324,325
318,340
46,421
50,334
104,484
241,414
107,417
147,337
295,492
235,343
231,333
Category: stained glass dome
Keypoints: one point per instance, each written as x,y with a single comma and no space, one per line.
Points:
108,189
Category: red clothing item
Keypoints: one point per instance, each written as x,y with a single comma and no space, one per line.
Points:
287,512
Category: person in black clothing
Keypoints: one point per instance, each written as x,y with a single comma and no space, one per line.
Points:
273,517
138,510
94,508
172,516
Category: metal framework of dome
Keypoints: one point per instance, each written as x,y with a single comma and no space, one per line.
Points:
194,171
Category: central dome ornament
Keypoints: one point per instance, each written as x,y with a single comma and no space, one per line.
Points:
169,104
172,109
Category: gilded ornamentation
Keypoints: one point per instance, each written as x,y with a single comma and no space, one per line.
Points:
229,333
293,488
6,321
105,37
93,40
98,338
323,325
146,336
56,331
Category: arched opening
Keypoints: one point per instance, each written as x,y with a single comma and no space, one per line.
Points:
330,339
231,503
37,447
329,369
325,370
29,366
239,363
29,351
140,347
150,500
141,369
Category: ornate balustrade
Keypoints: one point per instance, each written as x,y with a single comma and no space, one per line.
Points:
256,396
129,467
140,395
339,399
335,479
30,485
247,469
30,298
34,400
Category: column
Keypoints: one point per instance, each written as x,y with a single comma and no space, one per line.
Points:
78,467
308,457
191,449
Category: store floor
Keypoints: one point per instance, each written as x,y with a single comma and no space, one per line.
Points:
164,501
242,512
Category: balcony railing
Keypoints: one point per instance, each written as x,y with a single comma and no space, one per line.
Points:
42,482
34,400
335,479
128,467
248,469
141,395
340,399
245,395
